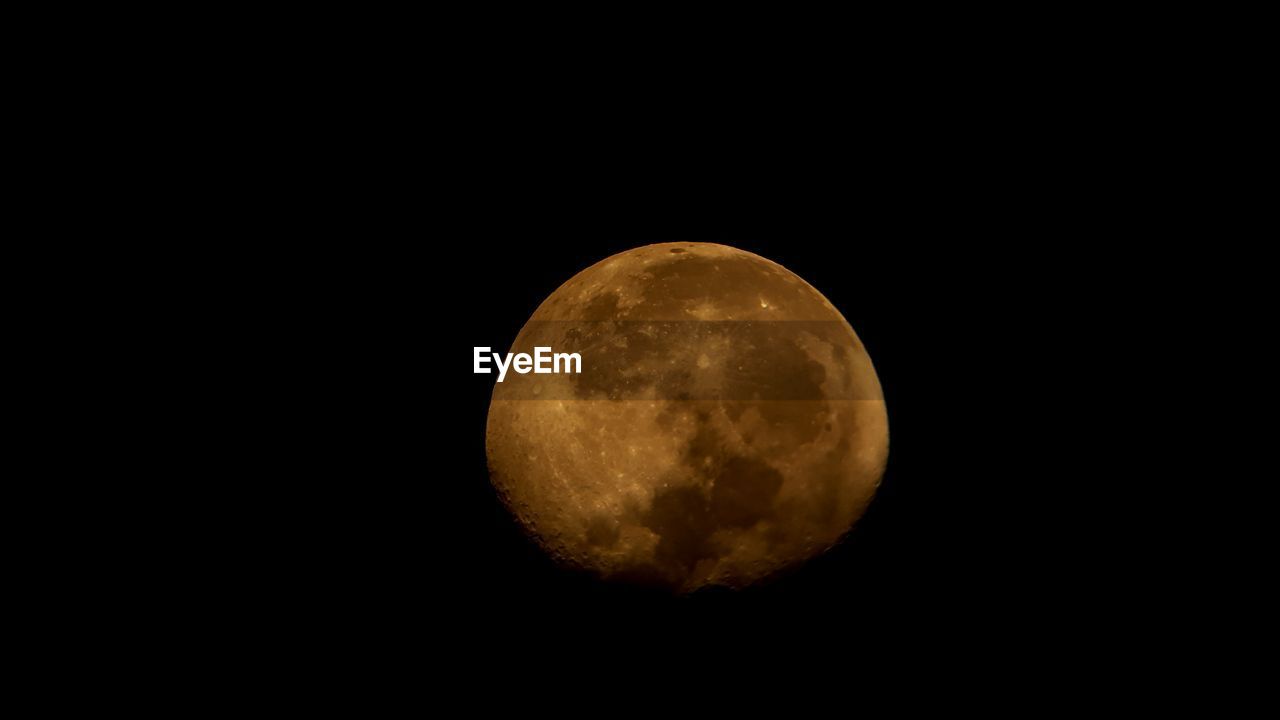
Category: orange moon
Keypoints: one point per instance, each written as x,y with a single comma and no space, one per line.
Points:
726,424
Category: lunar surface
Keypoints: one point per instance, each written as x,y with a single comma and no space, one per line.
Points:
727,423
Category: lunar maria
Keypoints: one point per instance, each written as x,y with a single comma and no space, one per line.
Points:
729,424
542,362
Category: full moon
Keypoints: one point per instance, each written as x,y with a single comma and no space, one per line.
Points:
726,424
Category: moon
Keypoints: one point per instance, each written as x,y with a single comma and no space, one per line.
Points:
726,425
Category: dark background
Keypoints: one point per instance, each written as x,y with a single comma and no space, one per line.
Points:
379,515
348,495
323,250
309,256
